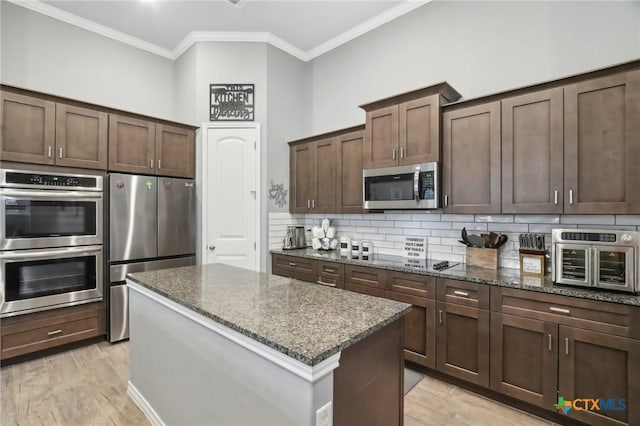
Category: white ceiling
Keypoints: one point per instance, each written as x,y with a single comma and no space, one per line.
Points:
304,28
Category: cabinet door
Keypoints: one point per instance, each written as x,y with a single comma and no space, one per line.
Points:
28,129
381,138
532,151
471,159
131,145
323,199
81,137
462,342
600,366
301,162
419,329
524,359
419,130
601,134
349,172
175,151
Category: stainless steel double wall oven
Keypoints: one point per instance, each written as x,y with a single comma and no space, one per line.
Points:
51,236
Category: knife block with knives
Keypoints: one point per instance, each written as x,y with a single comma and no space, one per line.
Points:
532,254
482,251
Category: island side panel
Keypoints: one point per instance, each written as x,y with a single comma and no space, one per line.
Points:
368,386
190,375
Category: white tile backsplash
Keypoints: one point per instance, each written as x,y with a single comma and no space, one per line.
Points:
388,230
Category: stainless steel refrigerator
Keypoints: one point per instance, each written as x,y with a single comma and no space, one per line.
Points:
152,225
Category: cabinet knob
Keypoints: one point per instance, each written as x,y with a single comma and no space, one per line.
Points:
60,152
212,247
555,197
159,164
49,151
393,153
401,152
151,163
571,196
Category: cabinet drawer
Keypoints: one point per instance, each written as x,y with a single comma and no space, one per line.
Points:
330,272
367,277
412,284
463,293
296,264
364,289
22,337
611,318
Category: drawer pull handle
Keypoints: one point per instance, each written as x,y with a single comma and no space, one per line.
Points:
440,316
461,293
559,310
331,271
566,346
53,333
550,348
293,264
327,284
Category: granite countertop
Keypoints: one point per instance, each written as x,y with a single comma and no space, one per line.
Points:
307,322
502,277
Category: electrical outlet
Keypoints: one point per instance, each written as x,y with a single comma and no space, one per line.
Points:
324,415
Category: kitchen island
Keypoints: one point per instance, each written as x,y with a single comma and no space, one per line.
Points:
215,344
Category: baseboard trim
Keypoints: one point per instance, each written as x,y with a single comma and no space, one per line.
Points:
144,405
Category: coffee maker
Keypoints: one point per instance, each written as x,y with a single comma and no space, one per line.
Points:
294,238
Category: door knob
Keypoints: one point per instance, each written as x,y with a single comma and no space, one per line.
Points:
212,247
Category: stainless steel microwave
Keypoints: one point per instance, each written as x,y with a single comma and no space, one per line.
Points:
404,187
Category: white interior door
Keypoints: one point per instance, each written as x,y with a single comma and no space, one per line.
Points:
230,195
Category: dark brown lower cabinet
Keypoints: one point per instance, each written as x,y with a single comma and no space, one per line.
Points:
524,359
600,366
419,329
462,342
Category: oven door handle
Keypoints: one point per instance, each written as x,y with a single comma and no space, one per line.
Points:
50,253
50,194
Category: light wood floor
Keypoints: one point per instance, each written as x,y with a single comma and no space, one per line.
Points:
87,386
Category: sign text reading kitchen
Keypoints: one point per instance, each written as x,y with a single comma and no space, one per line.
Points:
233,102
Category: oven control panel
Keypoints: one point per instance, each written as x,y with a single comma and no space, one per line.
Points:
589,237
62,181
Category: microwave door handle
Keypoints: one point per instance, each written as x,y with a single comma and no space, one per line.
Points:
416,186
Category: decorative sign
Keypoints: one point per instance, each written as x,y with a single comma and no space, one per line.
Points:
416,262
278,194
532,264
415,247
231,102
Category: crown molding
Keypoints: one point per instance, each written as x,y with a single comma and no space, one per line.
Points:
224,36
69,18
237,36
371,24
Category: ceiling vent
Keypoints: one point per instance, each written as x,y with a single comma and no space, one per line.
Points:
237,3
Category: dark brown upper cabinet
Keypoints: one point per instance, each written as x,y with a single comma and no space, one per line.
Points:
532,153
313,176
132,144
175,151
81,137
41,131
28,129
601,149
405,129
471,159
349,172
145,147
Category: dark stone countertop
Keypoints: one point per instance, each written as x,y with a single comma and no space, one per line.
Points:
502,277
307,322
